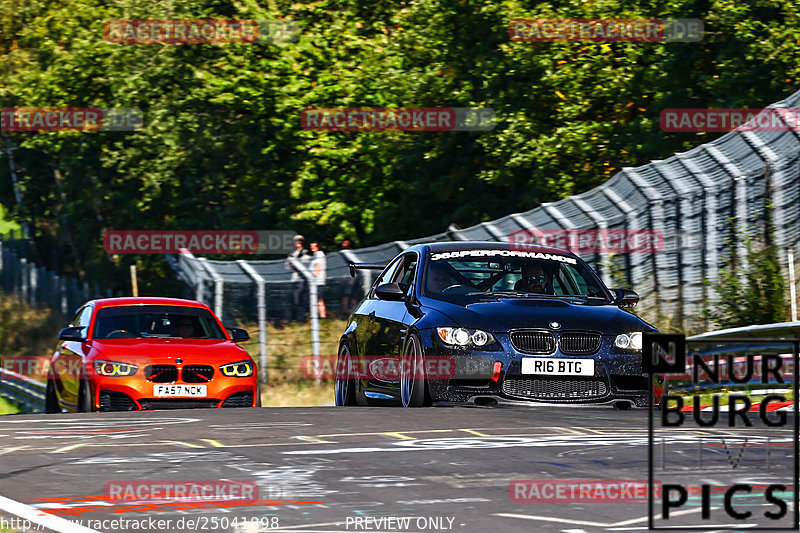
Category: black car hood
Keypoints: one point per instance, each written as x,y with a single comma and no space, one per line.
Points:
509,313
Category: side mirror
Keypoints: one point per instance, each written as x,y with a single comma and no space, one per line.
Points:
72,333
239,335
626,298
390,291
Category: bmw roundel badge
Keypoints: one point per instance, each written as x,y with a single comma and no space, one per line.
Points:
554,325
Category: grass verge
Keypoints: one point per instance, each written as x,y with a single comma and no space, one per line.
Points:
288,346
706,398
8,408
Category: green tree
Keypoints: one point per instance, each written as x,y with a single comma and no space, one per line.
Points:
222,146
755,296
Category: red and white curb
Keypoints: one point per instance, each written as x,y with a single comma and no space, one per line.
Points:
771,406
41,518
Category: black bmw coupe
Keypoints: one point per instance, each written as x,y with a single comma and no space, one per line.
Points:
490,323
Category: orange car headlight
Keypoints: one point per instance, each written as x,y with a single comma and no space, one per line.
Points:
242,369
114,368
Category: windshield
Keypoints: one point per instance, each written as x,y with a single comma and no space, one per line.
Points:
156,321
509,273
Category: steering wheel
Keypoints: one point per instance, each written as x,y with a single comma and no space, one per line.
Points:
456,288
120,334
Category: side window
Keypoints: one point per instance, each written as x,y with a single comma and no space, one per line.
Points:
405,277
76,318
387,276
82,317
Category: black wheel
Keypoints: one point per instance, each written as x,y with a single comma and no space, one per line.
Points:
85,402
50,400
258,395
413,385
344,385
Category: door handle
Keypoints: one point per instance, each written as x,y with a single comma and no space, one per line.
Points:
371,316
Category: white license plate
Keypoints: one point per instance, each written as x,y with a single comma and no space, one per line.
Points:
193,391
558,367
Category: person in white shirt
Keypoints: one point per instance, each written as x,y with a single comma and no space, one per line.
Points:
318,269
299,283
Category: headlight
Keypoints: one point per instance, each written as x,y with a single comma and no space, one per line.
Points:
242,369
629,341
464,337
114,369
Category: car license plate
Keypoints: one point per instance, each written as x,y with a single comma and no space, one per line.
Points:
194,391
558,367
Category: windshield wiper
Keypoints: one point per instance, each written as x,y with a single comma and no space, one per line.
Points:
523,294
508,294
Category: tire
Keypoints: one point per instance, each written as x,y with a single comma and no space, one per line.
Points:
51,405
85,403
413,385
258,395
345,388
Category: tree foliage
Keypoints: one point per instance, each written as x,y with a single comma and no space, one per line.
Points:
755,295
222,146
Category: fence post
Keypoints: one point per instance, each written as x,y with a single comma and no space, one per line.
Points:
218,286
34,283
312,308
262,316
4,264
792,290
64,297
24,278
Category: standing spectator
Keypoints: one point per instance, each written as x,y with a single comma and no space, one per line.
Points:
318,268
349,286
297,280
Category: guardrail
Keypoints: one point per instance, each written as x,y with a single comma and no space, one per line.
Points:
27,393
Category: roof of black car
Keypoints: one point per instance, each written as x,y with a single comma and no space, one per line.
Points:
485,245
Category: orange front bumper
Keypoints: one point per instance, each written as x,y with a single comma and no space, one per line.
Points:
136,393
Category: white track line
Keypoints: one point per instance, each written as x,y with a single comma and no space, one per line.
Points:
56,523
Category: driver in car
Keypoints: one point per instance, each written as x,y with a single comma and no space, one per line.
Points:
185,328
438,278
534,279
114,327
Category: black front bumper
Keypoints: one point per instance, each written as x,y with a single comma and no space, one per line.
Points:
617,377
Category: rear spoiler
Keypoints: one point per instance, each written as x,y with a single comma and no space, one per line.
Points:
364,266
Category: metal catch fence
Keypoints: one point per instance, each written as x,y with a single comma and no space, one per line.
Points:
703,203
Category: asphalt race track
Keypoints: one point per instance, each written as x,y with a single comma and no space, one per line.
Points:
351,469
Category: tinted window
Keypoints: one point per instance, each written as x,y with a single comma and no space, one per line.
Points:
127,322
514,273
405,275
82,317
388,274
